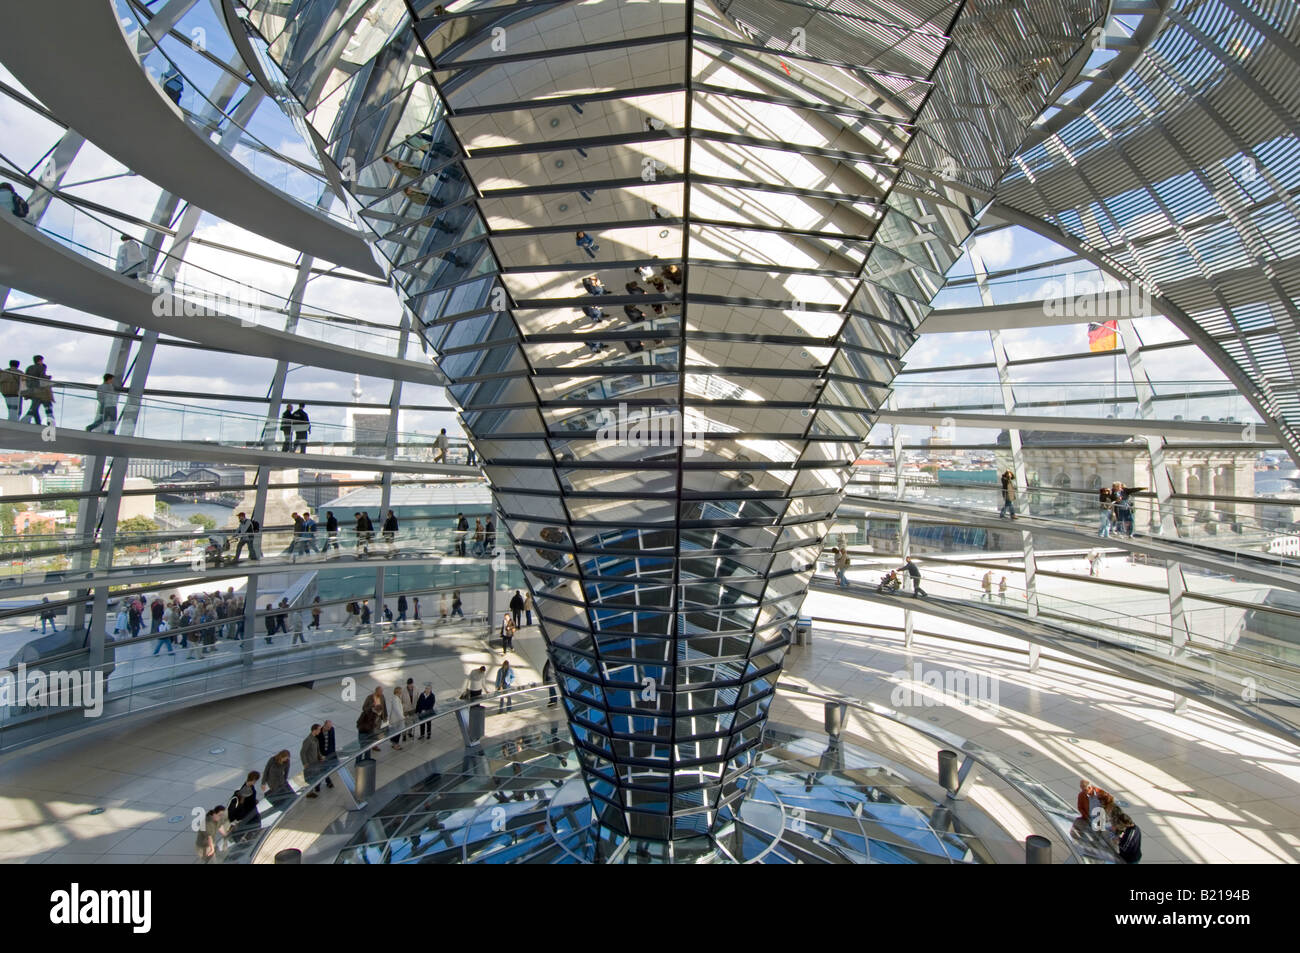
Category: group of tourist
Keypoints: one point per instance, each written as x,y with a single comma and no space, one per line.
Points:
396,716
197,621
659,281
32,385
1117,509
1098,810
318,753
484,536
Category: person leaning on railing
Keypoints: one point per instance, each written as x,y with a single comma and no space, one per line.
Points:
11,385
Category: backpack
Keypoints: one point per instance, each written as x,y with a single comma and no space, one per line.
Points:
21,208
235,807
254,526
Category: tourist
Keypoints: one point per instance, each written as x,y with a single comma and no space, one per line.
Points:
1088,801
309,526
331,530
17,204
286,428
456,609
212,835
11,386
1008,495
275,779
1002,590
507,632
38,391
401,607
310,755
504,680
587,244
548,676
130,258
409,699
242,807
440,447
528,607
987,584
424,706
474,682
914,571
246,535
461,531
301,427
390,527
328,748
517,608
397,718
442,606
841,565
1129,840
1107,503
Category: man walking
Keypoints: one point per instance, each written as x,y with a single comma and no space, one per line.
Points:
915,573
328,748
462,530
424,710
39,392
505,679
987,583
130,258
301,427
309,525
247,533
440,447
312,761
517,608
1008,495
287,420
331,530
11,387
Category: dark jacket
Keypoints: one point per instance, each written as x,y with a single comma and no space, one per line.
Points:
390,525
424,704
1130,845
276,775
401,603
368,723
310,752
332,524
517,602
243,805
327,744
911,570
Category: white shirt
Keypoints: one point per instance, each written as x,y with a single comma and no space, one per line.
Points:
441,442
107,393
129,255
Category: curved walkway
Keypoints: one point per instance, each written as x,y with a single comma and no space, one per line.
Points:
1210,682
1204,788
1246,564
33,262
74,58
25,436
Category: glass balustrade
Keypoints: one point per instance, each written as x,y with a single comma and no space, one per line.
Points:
169,59
199,293
1196,658
1237,527
158,419
1193,401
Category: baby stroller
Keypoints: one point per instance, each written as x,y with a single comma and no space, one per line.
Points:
890,582
212,553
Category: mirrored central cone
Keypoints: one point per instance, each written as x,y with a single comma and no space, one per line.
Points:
669,257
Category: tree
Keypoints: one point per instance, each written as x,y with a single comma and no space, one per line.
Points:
137,524
160,507
202,519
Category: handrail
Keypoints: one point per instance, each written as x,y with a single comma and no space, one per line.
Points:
1054,809
349,754
245,846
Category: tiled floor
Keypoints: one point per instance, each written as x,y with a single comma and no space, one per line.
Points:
1203,787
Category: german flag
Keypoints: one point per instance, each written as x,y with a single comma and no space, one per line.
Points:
1101,337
